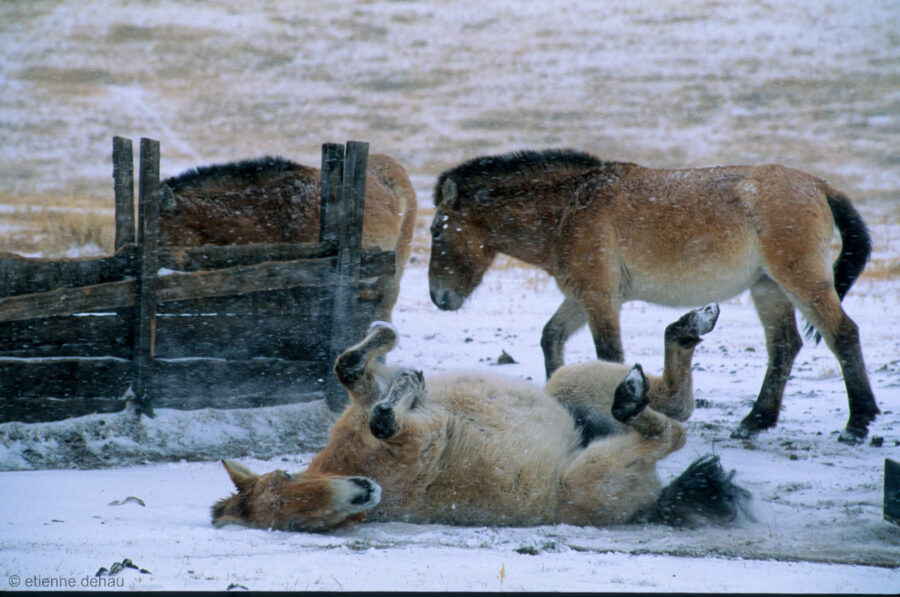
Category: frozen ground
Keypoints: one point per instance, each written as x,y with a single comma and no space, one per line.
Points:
817,501
813,84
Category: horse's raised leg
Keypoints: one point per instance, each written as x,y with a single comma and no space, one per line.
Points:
614,477
783,342
357,368
673,394
566,321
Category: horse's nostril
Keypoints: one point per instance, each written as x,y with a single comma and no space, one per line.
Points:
367,488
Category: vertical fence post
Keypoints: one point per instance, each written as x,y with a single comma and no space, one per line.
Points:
123,177
145,299
892,491
343,319
330,207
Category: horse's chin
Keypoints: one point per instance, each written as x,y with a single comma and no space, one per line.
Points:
447,300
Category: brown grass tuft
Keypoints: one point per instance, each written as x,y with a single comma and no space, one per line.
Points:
52,226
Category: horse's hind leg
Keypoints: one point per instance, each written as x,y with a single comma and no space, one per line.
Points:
356,368
841,335
566,321
783,342
818,300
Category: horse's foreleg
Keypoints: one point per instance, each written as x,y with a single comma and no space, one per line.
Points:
603,319
614,477
783,342
356,368
566,321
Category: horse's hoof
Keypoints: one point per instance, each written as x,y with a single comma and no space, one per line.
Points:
350,367
706,318
742,432
853,436
381,324
631,395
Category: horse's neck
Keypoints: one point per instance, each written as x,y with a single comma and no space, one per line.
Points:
529,231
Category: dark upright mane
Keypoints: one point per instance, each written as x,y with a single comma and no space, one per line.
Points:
491,170
246,172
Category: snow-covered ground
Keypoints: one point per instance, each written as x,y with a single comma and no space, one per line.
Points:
817,502
814,84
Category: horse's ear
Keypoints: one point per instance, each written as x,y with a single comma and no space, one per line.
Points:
450,193
242,477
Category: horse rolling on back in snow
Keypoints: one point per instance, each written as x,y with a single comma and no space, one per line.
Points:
611,232
273,200
478,449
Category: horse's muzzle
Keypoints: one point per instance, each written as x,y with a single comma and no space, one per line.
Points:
447,300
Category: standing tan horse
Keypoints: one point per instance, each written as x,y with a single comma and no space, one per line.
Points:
273,200
611,232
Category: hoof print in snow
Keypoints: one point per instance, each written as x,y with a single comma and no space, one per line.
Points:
119,566
129,500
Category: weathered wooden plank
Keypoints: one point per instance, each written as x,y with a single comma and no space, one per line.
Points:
72,335
146,282
185,286
285,323
63,378
34,390
189,259
123,186
241,337
207,383
28,275
343,330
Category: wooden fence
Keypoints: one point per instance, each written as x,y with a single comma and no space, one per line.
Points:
189,327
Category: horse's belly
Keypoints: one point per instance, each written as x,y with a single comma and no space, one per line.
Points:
694,278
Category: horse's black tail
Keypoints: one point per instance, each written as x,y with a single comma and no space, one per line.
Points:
856,246
701,495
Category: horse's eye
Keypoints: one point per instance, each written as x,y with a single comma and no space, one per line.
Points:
437,229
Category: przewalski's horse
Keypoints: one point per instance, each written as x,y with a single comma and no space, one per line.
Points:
273,200
478,449
611,232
